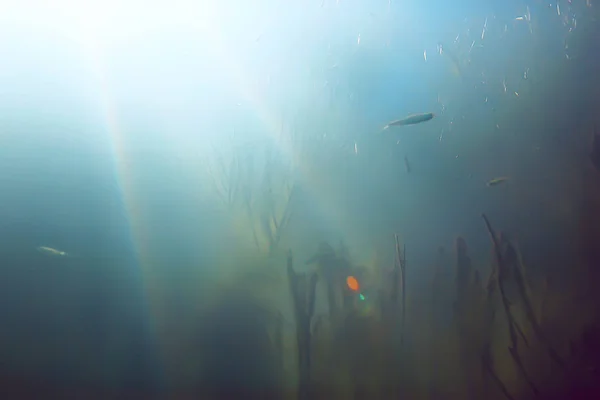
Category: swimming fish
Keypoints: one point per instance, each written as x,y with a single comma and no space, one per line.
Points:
51,251
411,120
407,164
497,181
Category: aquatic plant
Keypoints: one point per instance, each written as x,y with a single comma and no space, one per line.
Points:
509,270
225,173
332,351
302,289
399,283
275,199
255,186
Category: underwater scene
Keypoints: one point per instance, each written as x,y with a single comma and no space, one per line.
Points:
316,199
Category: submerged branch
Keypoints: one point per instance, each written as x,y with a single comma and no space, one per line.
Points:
226,179
486,362
303,296
400,265
505,302
513,348
537,330
275,206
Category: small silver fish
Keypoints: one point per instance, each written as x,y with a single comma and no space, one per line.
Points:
411,120
51,251
497,181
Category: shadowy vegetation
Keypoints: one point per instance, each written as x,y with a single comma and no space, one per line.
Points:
494,341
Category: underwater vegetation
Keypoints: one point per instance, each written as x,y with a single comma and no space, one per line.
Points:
257,310
245,186
479,330
381,341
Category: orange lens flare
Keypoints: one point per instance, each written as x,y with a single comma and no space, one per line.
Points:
352,283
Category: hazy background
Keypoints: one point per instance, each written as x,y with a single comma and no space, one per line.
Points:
115,116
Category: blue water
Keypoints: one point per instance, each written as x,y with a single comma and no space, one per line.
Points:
123,127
